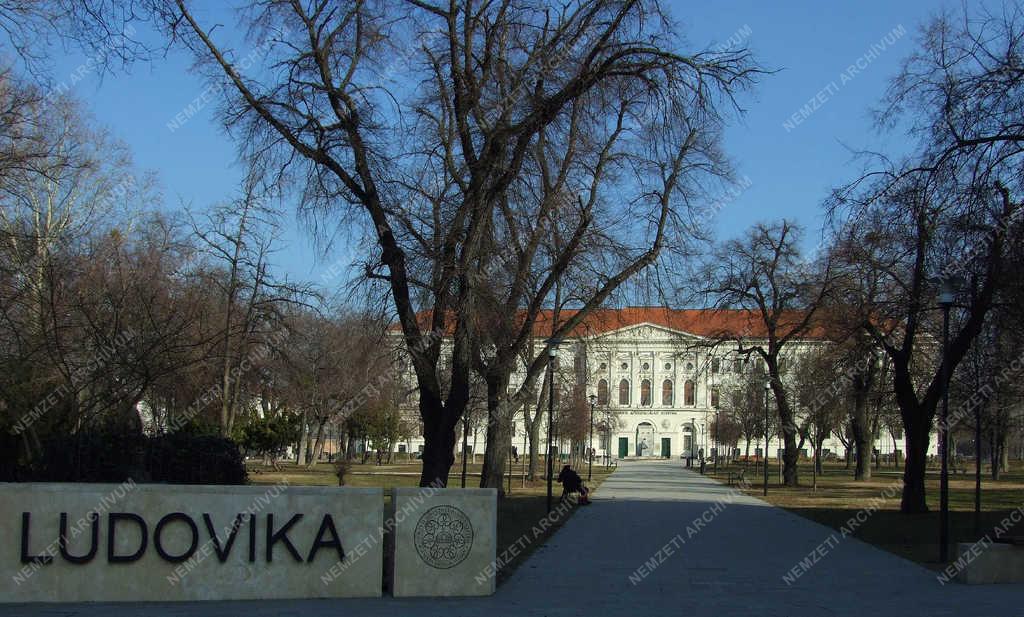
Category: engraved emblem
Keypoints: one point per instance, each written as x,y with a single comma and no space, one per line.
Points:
443,537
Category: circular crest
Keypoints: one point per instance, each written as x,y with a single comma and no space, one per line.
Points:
443,537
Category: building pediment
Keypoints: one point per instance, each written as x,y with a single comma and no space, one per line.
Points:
649,332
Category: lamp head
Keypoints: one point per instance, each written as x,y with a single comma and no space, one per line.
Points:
593,399
948,284
553,346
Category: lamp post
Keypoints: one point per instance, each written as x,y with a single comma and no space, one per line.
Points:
977,470
767,389
947,291
718,444
608,419
704,444
465,438
552,352
590,445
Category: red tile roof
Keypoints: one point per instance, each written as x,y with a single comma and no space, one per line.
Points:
710,323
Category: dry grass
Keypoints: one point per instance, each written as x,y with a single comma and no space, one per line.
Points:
838,500
519,513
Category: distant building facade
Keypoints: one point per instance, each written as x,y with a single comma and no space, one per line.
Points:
659,378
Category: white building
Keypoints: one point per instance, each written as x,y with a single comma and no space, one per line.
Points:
658,377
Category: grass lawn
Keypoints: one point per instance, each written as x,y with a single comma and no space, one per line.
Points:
519,513
838,500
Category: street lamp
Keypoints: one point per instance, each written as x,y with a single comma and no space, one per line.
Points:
767,389
718,440
590,446
552,353
947,293
704,436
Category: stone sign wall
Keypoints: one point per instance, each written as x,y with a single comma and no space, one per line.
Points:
103,542
444,542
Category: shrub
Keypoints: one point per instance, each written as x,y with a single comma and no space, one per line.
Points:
341,468
113,457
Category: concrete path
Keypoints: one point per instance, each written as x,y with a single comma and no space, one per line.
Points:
662,540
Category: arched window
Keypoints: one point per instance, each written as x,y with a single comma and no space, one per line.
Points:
716,365
645,393
783,365
602,392
624,392
715,397
666,392
689,393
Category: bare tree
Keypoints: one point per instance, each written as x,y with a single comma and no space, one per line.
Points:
104,30
764,274
328,361
743,401
436,168
816,374
239,237
950,210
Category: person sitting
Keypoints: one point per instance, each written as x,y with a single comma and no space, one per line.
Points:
573,483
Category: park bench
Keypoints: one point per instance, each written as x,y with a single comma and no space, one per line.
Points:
737,477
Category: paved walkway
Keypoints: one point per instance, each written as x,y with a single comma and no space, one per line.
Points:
730,563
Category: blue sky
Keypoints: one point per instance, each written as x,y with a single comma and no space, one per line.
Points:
789,170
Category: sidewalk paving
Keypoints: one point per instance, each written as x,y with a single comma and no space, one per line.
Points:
639,550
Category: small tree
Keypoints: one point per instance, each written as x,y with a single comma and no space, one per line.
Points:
743,400
763,272
950,210
270,436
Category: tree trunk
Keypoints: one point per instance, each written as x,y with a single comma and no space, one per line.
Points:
437,455
300,457
789,460
534,438
913,500
497,441
862,445
439,439
533,431
790,475
815,467
996,452
859,424
318,443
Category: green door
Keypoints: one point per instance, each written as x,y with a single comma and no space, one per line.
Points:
666,447
623,447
